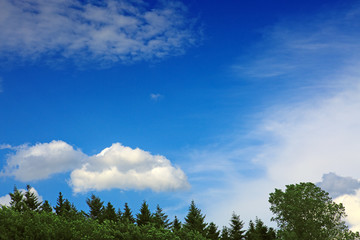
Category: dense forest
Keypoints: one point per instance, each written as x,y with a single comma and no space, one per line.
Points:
303,211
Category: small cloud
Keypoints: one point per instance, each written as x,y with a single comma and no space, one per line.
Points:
337,186
30,163
5,146
156,96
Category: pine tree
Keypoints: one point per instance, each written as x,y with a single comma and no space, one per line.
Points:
225,234
46,207
31,200
96,207
176,225
194,221
127,216
144,217
109,213
212,232
236,225
259,231
17,200
59,208
160,219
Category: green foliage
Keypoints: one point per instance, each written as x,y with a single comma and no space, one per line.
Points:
212,232
259,231
109,213
96,207
160,219
236,226
17,200
31,201
194,221
305,211
144,217
176,225
46,207
127,215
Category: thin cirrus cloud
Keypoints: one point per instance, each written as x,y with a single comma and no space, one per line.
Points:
115,167
107,32
311,132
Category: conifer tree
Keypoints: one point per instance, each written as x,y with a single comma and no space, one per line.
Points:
236,225
160,219
127,215
212,232
225,234
144,217
109,213
46,207
17,200
194,220
59,208
176,225
31,200
96,207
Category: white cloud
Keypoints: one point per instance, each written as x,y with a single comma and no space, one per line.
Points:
336,185
114,167
351,203
125,168
40,161
155,96
106,32
5,200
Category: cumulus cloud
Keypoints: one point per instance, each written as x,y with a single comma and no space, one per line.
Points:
106,32
5,200
40,161
336,185
114,167
126,168
351,203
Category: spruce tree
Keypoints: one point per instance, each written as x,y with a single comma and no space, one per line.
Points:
160,219
212,232
59,208
225,234
236,225
176,225
194,220
144,217
109,213
127,216
17,200
31,200
46,207
96,207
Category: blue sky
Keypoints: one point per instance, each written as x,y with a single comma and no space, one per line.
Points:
170,101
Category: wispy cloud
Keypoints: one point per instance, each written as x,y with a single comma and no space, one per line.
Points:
115,167
156,96
296,140
106,32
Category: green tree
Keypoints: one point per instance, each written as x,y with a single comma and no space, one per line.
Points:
46,207
59,208
176,225
127,216
31,201
109,213
236,226
305,211
194,220
144,217
212,232
160,219
259,231
225,234
96,207
17,200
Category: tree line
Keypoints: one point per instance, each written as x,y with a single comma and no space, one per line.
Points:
303,212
